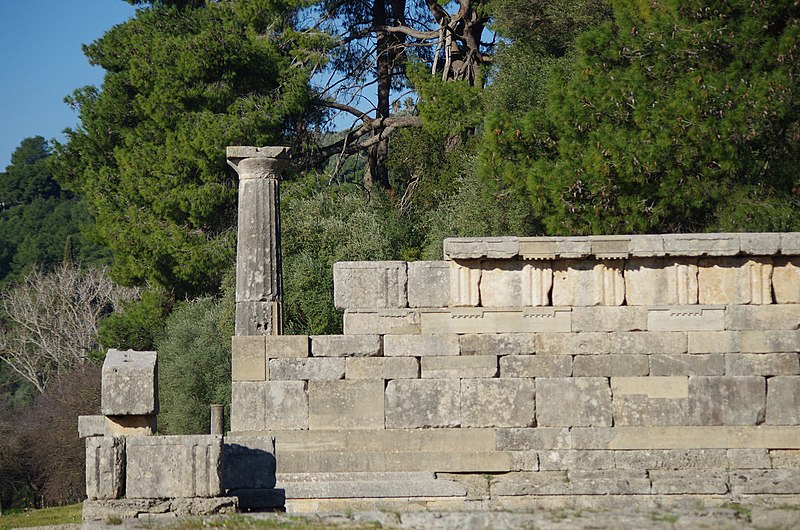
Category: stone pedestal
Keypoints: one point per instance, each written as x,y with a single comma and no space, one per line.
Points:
259,289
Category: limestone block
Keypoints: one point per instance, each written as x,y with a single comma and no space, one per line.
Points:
154,511
588,283
530,483
783,400
654,401
735,280
368,485
477,485
609,318
436,461
766,364
573,247
258,406
770,341
381,322
428,284
524,461
645,342
657,281
610,247
91,426
759,244
382,368
646,246
434,344
786,280
575,401
529,439
451,367
537,248
571,459
674,437
686,318
345,345
287,346
748,459
421,403
481,247
497,343
347,404
257,317
727,400
249,358
497,402
780,458
369,284
671,459
610,365
790,243
130,425
480,320
536,366
588,342
742,317
306,369
701,244
764,481
173,466
129,383
391,440
575,482
515,283
714,342
249,462
105,467
682,364
465,278
706,481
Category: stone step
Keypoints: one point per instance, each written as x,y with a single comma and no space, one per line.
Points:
360,440
366,485
383,461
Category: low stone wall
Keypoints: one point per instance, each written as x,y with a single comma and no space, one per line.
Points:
521,372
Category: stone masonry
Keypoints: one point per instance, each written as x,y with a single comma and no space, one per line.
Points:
529,372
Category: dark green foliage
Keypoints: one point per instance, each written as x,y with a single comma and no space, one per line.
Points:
680,116
181,85
139,325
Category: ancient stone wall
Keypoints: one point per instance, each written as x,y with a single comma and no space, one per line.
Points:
522,372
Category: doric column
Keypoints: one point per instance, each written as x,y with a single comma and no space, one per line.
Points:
259,286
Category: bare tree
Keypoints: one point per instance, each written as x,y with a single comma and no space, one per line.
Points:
50,320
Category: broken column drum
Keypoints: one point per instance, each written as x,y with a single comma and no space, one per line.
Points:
259,289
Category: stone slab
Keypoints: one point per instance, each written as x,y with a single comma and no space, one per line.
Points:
371,487
411,440
759,244
498,402
680,364
481,247
382,368
129,383
721,244
539,438
306,369
658,281
428,283
671,459
249,462
588,283
610,247
686,318
790,243
712,437
150,510
369,284
372,461
423,403
573,401
729,400
764,481
458,367
480,320
345,404
105,467
786,280
422,345
535,366
783,400
249,358
380,322
575,482
287,346
258,406
173,466
345,345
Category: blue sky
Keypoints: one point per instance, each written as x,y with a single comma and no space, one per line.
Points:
41,61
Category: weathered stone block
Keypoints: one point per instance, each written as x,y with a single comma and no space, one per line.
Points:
537,248
287,346
173,466
255,318
306,369
481,320
759,244
515,283
790,243
640,401
610,365
571,459
130,425
588,342
710,437
369,284
497,343
249,462
682,364
648,342
706,482
669,459
428,284
421,403
433,344
784,458
701,244
444,461
770,341
653,281
785,316
382,368
573,401
91,426
129,383
249,358
539,438
652,387
536,366
154,511
783,400
727,400
105,467
646,246
368,485
259,406
609,318
452,367
714,342
381,322
383,440
573,247
786,280
610,247
762,364
608,482
748,459
497,402
588,283
347,404
481,247
465,278
764,481
735,280
346,345
686,318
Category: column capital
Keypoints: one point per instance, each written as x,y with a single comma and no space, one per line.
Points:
257,162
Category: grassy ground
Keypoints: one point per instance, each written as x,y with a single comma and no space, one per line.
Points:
47,516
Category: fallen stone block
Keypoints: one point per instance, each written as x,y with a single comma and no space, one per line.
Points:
346,404
249,462
497,402
248,358
729,400
345,345
420,345
783,400
369,284
259,406
428,284
573,402
423,403
654,281
129,383
105,467
588,283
